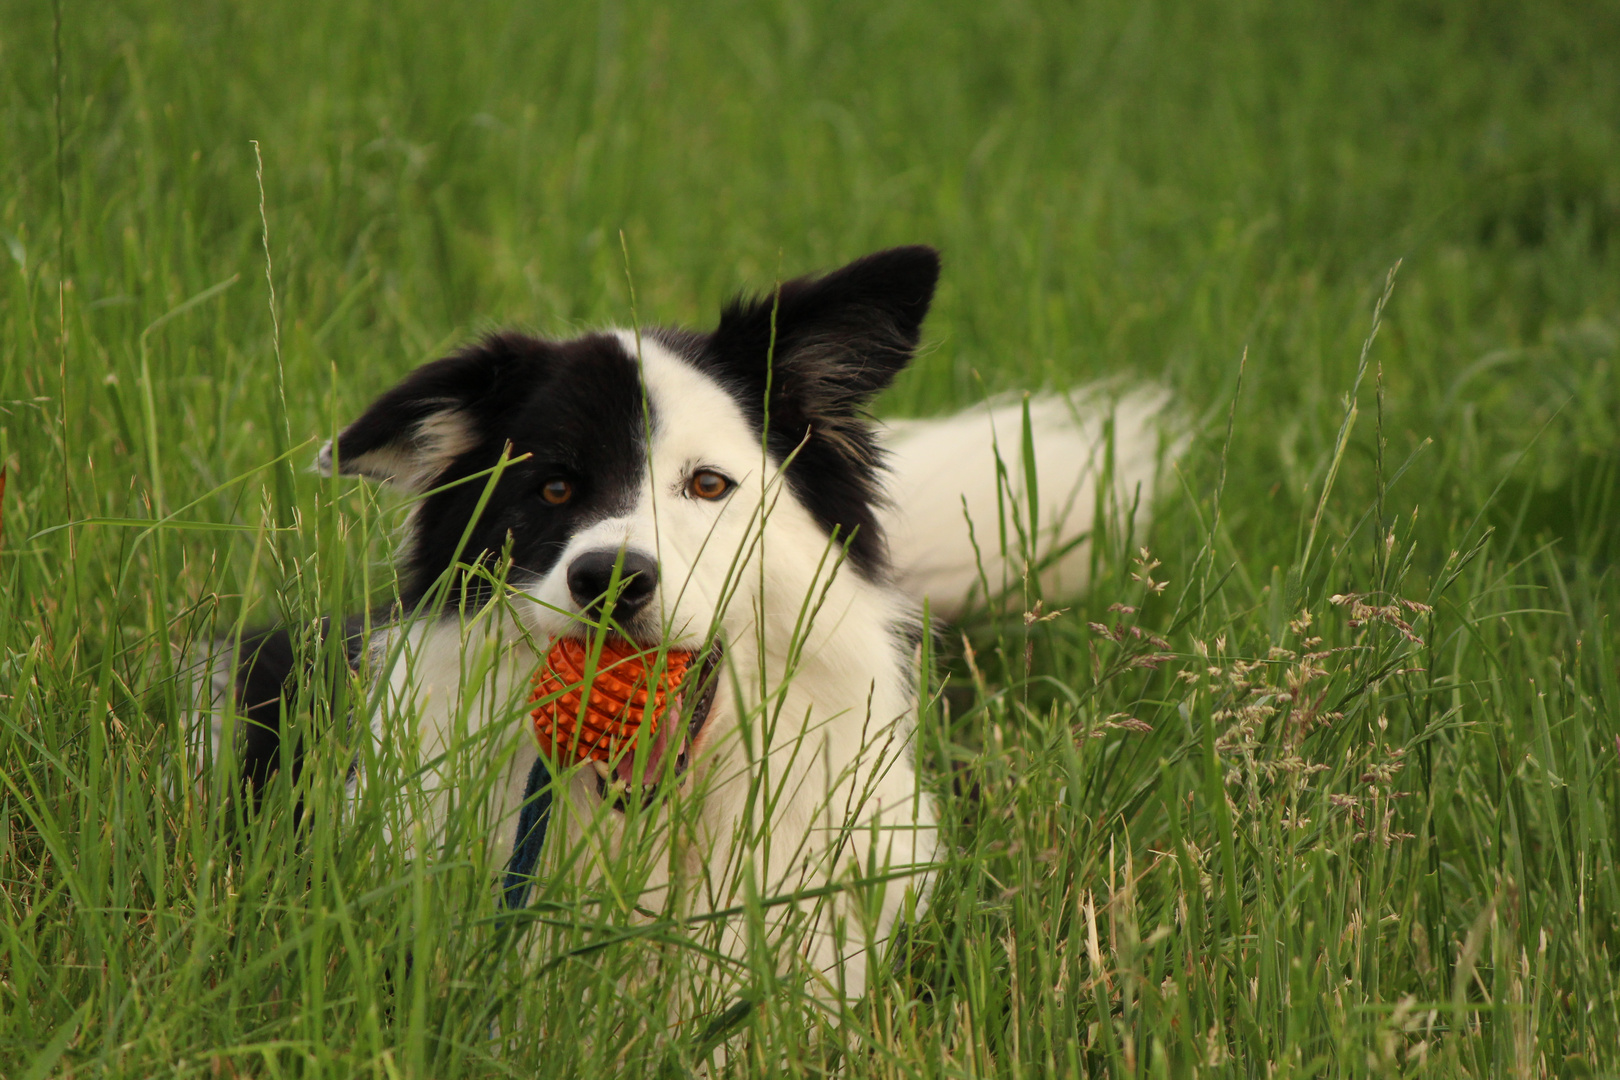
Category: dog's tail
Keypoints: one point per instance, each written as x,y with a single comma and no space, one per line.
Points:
959,528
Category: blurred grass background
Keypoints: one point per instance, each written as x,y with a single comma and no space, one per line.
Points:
1132,189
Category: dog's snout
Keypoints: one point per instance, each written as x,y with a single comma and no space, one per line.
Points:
591,575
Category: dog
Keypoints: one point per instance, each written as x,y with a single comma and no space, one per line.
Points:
724,495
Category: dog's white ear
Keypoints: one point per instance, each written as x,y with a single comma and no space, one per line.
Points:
414,433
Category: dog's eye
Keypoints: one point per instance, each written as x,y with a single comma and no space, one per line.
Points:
556,492
708,484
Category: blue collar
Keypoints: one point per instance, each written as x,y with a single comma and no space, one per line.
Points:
533,819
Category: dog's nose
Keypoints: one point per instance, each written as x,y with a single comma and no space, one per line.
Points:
590,575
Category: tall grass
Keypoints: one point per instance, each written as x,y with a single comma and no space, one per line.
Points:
1324,781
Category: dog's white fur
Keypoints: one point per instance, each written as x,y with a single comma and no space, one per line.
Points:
822,705
955,481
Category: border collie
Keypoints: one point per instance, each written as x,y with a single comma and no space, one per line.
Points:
724,494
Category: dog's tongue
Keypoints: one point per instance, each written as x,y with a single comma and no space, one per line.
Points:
655,752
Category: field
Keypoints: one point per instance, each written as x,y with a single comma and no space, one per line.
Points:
1373,828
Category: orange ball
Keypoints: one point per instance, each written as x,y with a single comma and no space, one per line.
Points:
609,723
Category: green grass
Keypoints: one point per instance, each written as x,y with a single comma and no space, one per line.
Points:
1397,856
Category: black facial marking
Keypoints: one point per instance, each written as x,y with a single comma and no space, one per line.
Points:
827,345
575,408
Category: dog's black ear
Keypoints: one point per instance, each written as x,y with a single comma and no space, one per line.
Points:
440,411
832,342
807,359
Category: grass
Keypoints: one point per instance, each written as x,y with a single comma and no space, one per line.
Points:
1372,828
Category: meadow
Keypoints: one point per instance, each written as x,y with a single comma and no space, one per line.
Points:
1322,776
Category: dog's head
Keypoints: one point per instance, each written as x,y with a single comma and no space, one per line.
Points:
632,473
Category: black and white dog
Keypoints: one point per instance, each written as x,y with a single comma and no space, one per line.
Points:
725,494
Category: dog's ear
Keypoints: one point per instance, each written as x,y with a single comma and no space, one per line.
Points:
812,355
440,411
833,342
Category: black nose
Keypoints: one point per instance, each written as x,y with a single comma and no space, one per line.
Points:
590,575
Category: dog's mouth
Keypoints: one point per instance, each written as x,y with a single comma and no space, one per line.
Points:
639,708
685,720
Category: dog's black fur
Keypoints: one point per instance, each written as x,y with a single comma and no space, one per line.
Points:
570,410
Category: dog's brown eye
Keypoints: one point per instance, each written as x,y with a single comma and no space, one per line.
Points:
557,492
708,484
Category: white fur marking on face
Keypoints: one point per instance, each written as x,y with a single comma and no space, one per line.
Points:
695,424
